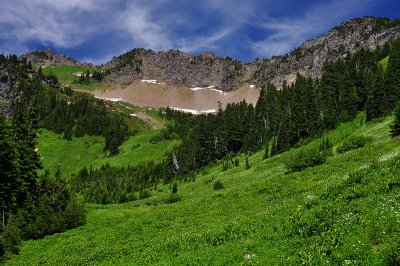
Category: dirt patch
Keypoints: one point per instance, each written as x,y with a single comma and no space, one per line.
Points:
162,95
148,119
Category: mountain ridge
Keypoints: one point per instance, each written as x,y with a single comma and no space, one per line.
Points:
207,69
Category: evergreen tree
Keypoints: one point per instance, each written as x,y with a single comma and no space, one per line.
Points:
395,127
266,151
374,104
247,163
392,78
9,171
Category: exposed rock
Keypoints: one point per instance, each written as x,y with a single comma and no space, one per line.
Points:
47,57
348,38
178,68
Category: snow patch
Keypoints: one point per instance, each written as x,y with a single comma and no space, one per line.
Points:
220,92
210,111
109,99
134,115
197,89
194,112
252,86
149,81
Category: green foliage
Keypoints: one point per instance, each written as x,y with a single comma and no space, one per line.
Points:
110,184
300,160
31,207
173,198
175,188
247,163
218,185
71,156
352,143
326,145
144,194
78,114
343,211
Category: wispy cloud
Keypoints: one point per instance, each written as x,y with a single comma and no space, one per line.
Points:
139,21
230,27
288,33
50,22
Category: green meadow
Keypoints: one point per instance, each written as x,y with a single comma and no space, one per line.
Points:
69,75
343,212
71,156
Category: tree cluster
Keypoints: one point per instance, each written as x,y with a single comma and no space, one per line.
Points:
31,206
74,114
110,184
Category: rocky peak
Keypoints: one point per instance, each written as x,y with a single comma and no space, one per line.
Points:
178,68
207,69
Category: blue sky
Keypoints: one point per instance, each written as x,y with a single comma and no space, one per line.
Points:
96,30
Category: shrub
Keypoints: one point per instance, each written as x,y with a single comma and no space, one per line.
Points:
247,163
175,188
144,194
173,198
218,185
306,158
353,143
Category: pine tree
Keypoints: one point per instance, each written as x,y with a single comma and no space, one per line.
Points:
395,127
266,151
9,171
392,78
374,104
247,163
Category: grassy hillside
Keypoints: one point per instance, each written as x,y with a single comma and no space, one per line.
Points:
71,156
344,212
69,75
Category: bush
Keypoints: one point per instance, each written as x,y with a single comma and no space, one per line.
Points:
173,198
175,188
306,158
353,143
144,194
218,185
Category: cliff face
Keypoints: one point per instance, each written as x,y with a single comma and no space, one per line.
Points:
177,68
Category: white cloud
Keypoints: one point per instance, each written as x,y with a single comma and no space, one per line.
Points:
46,21
195,44
216,25
138,22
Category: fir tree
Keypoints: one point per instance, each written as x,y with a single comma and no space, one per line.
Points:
395,127
266,151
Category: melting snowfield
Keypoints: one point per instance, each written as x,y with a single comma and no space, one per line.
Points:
196,100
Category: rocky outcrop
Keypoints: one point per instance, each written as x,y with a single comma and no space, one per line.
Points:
47,57
309,58
177,68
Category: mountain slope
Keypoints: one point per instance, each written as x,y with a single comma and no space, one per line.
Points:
177,68
342,212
